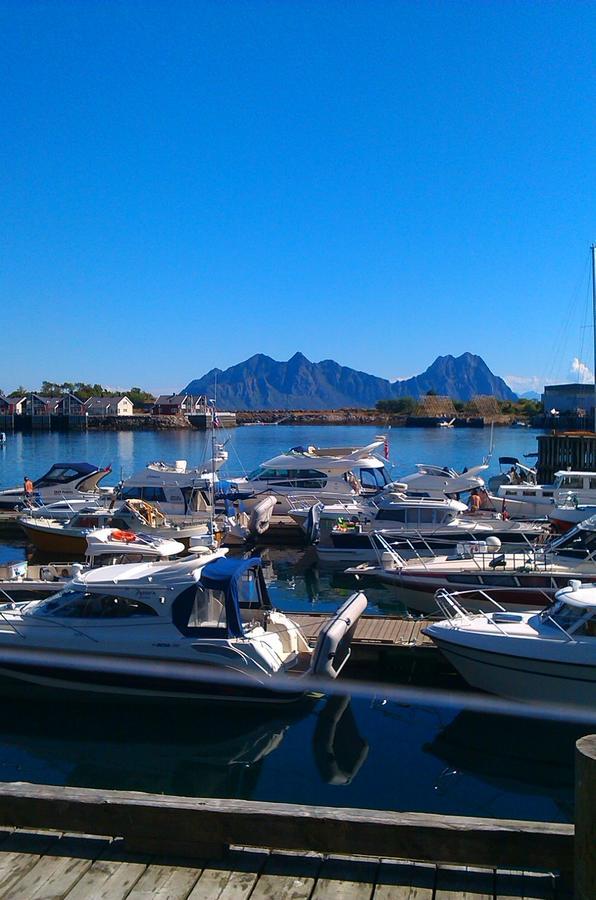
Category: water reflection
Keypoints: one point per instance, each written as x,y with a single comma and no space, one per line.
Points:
509,755
208,751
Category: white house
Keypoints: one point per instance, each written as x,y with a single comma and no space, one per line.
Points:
109,406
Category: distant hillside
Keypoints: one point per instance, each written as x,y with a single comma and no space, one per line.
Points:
263,383
530,395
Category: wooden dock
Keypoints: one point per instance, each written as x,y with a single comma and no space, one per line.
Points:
382,641
60,866
119,844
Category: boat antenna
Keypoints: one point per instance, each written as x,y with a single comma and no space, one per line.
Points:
593,249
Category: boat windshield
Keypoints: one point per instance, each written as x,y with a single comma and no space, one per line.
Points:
573,619
577,544
73,603
59,475
297,478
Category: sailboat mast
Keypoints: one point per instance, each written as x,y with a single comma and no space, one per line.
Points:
593,249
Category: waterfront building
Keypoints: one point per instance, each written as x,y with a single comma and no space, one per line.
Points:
569,400
109,406
178,405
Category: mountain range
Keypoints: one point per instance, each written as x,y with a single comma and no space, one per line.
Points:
264,383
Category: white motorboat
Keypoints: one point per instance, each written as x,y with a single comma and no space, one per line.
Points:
177,489
422,525
428,482
441,481
193,630
313,474
69,537
517,578
548,656
442,523
522,497
22,580
64,481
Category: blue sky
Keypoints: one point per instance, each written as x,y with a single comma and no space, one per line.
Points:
185,184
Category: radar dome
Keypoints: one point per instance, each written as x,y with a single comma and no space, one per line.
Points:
493,542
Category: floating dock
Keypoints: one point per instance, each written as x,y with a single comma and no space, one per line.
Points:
55,865
122,844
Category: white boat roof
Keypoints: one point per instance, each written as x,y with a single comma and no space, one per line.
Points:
393,500
149,575
101,541
326,460
578,594
575,472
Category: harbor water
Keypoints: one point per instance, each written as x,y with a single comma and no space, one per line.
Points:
369,752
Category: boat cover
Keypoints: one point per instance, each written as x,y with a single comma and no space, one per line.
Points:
224,575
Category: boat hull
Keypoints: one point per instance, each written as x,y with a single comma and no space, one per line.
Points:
356,545
102,677
521,677
418,591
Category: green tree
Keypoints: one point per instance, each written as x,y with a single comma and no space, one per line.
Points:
402,406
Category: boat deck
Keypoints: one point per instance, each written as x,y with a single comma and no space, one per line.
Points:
55,866
371,631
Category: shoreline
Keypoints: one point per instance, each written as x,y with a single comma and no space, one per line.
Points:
270,417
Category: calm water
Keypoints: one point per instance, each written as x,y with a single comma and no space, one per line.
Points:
368,753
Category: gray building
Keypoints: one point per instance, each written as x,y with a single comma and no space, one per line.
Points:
575,400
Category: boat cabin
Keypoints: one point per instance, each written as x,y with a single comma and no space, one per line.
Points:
81,476
573,610
578,543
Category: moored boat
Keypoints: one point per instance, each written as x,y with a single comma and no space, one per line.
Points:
313,474
549,656
64,481
519,578
69,537
22,580
193,630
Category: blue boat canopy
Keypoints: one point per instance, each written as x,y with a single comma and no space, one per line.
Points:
226,576
83,468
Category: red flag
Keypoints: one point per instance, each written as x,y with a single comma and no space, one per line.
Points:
386,448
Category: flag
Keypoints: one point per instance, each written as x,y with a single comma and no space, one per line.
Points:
386,448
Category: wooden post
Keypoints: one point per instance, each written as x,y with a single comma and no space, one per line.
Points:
585,818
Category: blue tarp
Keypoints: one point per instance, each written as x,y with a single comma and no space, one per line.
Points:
224,575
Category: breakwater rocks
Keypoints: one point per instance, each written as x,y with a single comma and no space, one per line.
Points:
137,423
317,417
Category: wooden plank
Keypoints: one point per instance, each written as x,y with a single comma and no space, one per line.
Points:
346,879
527,885
407,835
111,877
55,873
287,877
20,852
165,881
404,881
232,879
464,883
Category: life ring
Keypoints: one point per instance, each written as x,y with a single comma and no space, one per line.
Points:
127,536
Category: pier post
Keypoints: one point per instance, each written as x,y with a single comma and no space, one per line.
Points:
585,818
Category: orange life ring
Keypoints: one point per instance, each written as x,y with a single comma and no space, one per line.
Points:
127,536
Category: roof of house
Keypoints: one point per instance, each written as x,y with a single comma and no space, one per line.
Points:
170,399
106,401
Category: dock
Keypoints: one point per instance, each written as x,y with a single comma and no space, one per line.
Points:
382,641
36,865
126,844
9,524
